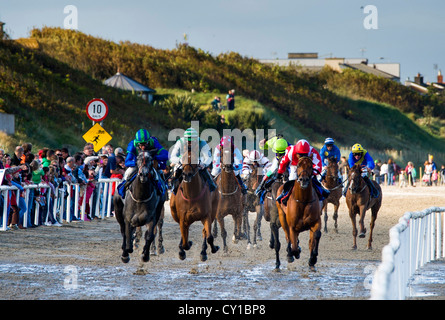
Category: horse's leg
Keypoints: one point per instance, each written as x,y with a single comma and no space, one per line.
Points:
336,205
184,244
215,227
372,224
161,249
246,227
257,225
238,220
362,233
296,250
207,235
325,209
137,238
275,236
223,231
314,241
354,228
149,237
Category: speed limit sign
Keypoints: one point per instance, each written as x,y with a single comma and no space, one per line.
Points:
97,110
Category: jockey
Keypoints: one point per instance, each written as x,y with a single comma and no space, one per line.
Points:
143,142
279,147
293,153
362,157
227,142
329,150
255,158
205,158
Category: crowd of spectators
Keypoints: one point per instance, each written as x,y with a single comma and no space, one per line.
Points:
51,168
390,173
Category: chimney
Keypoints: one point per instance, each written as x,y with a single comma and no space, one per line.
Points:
418,79
439,77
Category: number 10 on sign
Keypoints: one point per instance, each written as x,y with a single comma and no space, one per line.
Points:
97,110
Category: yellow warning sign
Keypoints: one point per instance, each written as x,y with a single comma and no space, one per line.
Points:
97,136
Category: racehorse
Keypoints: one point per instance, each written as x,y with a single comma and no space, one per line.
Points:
142,206
194,202
231,199
302,212
358,199
332,183
253,204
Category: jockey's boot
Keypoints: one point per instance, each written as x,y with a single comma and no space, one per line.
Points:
208,178
322,192
286,188
374,191
242,185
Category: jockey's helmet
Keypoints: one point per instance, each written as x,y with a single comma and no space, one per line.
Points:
329,141
254,156
302,147
190,134
280,146
142,136
357,148
226,141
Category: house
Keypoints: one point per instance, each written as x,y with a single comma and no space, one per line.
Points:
312,62
421,87
123,82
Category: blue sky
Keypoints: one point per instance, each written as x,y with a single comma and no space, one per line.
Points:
410,32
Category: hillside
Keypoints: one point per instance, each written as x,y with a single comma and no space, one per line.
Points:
67,71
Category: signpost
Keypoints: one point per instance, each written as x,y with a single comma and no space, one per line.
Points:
97,136
97,111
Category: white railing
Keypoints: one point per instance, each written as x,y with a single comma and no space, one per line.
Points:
417,239
61,208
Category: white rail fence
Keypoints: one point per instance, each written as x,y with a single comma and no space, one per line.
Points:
65,204
417,239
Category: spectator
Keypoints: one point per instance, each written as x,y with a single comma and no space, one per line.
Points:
378,164
384,173
37,174
390,180
21,203
216,104
428,172
88,150
231,99
411,174
111,161
343,168
16,158
65,153
2,155
27,151
50,155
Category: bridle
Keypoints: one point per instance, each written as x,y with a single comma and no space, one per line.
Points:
305,175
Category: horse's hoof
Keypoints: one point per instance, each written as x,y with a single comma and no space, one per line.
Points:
215,249
249,246
290,259
161,250
354,247
125,259
362,234
182,255
369,248
312,268
146,258
203,257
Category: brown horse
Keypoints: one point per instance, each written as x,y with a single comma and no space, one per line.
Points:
253,204
194,202
335,187
231,200
359,200
302,212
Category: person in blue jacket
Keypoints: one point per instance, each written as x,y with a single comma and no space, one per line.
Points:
362,157
143,142
328,151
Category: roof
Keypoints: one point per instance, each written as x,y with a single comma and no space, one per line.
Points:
367,69
121,81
